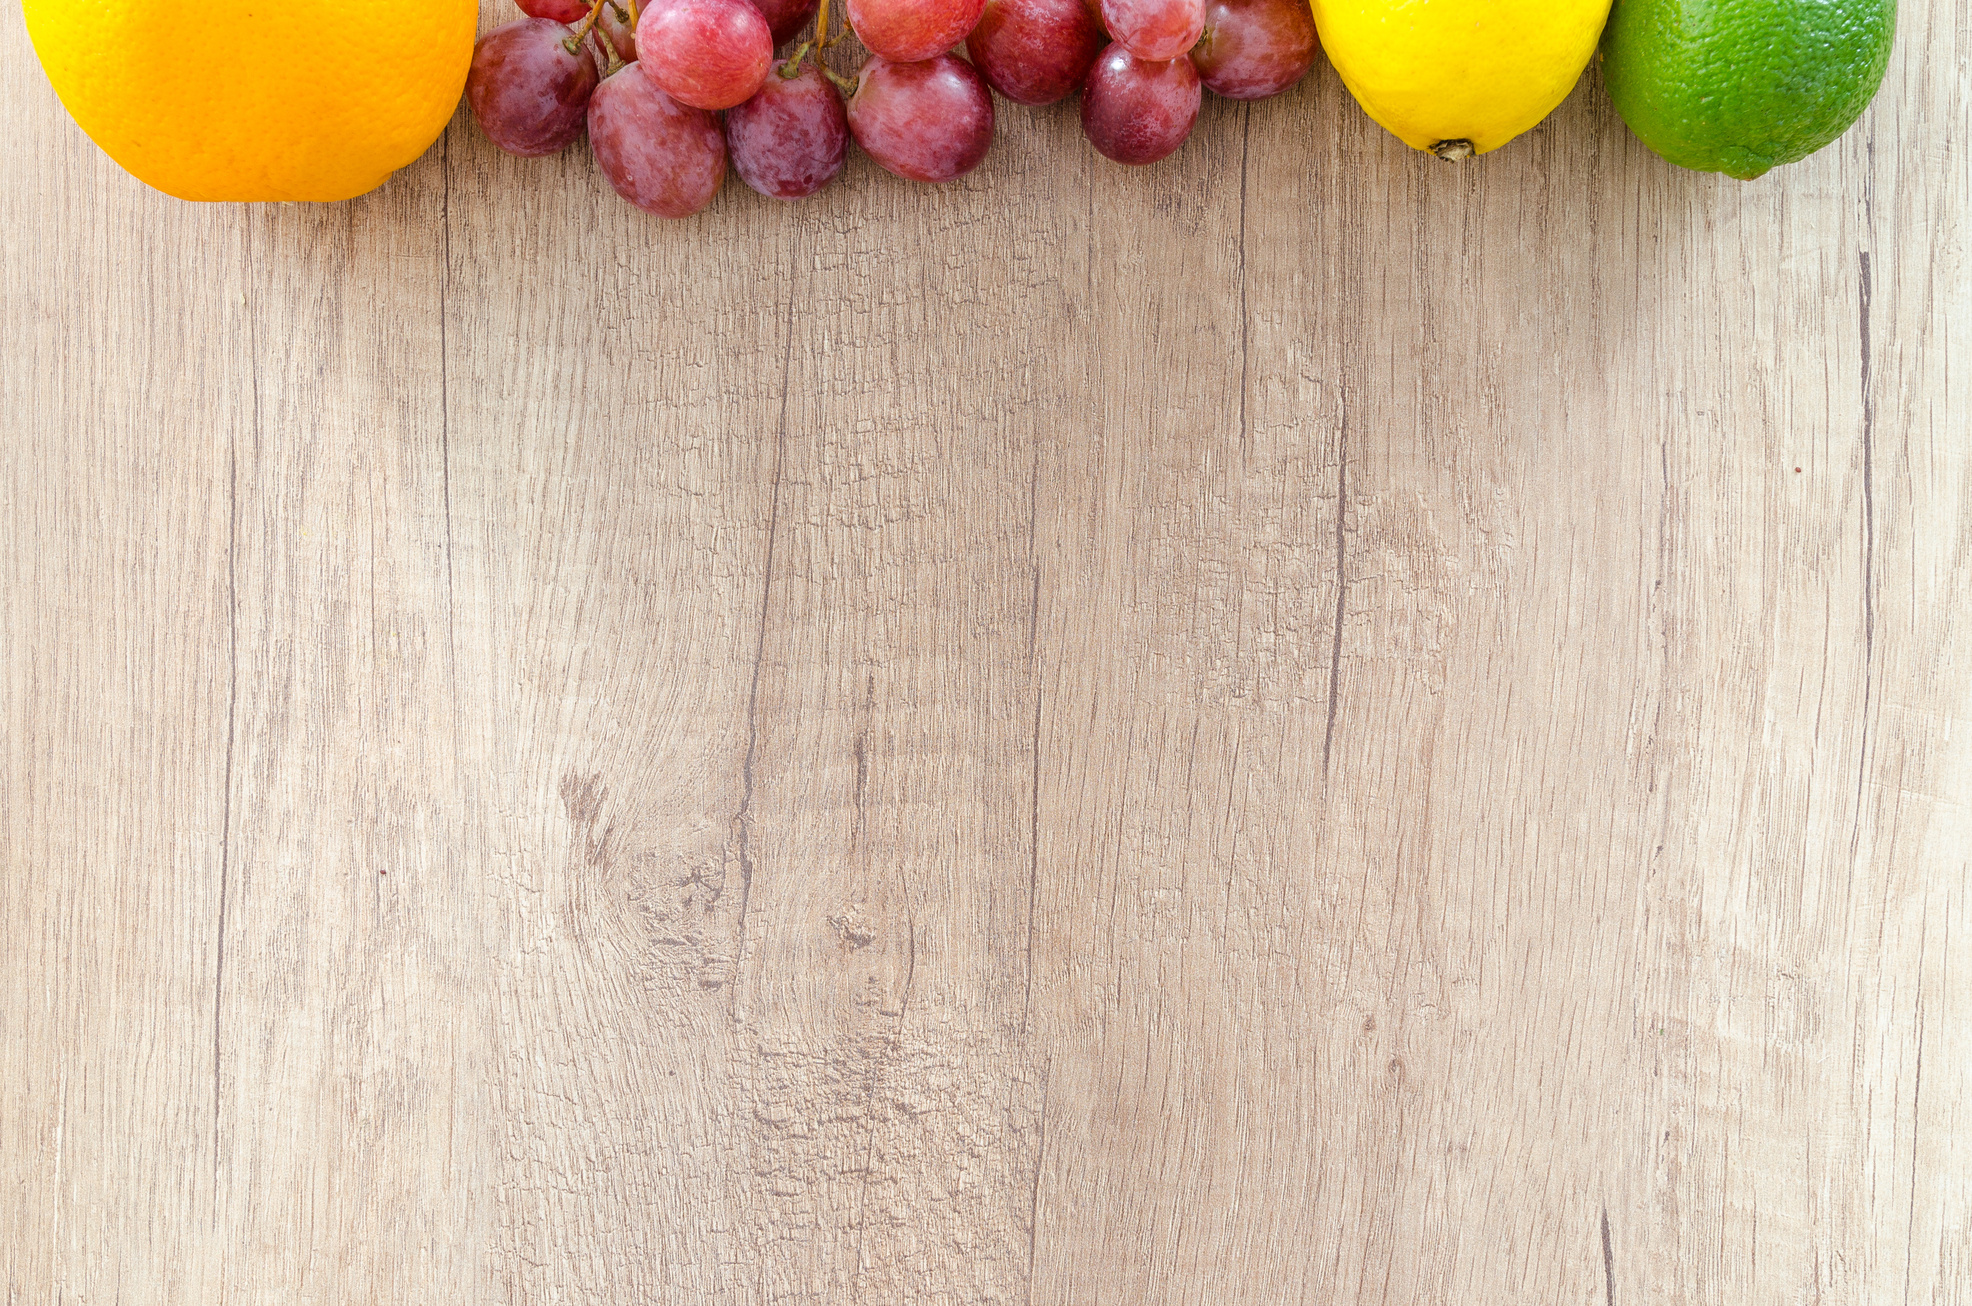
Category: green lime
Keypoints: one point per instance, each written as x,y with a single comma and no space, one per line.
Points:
1741,86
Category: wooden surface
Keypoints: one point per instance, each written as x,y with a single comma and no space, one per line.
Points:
1304,725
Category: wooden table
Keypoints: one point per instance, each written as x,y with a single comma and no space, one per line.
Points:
1303,725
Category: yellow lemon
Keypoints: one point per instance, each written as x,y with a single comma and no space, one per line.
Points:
257,99
1460,77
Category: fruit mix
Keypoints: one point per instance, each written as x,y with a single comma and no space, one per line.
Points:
650,83
1733,86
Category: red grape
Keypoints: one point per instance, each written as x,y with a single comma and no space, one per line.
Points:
929,121
786,18
1035,51
1155,29
561,11
906,31
1255,48
617,31
527,91
710,54
791,138
1138,111
664,157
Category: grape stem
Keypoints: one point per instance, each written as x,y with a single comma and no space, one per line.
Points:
822,38
791,67
613,62
574,43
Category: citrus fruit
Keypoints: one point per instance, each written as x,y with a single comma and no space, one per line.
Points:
1459,77
257,99
1741,86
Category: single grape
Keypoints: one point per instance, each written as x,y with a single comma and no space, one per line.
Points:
710,54
1155,29
791,138
527,91
906,31
561,11
1255,48
786,18
1035,51
1138,111
615,26
664,157
929,121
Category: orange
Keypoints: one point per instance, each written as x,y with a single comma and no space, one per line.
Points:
257,99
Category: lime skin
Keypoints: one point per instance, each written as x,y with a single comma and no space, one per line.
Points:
1742,86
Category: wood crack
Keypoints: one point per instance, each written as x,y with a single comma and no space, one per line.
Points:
225,819
1865,295
1245,318
445,407
1341,589
232,713
1868,480
1917,1105
1608,1260
1034,742
1040,1165
744,820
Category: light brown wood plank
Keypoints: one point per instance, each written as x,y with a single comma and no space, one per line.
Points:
358,1126
1275,728
124,391
615,438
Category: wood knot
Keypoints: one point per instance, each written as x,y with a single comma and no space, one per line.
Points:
582,796
852,931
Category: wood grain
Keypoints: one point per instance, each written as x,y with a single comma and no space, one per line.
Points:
1303,725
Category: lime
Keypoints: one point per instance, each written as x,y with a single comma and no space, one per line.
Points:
1741,86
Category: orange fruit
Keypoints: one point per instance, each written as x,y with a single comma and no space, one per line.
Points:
257,99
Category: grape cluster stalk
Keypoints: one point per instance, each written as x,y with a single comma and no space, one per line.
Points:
673,92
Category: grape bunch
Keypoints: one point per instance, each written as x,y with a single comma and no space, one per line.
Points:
673,91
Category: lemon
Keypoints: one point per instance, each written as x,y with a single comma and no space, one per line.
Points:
1459,77
257,99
